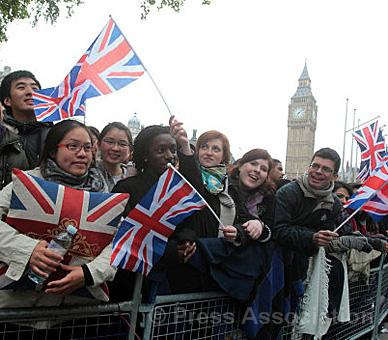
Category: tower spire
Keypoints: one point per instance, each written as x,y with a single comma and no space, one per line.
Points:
305,73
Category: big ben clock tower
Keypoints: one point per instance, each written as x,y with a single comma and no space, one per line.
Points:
302,122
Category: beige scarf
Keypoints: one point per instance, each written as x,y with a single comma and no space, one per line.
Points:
324,197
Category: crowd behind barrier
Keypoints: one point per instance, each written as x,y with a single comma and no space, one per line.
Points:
300,218
206,315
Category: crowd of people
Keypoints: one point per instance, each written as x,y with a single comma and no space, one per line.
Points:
258,208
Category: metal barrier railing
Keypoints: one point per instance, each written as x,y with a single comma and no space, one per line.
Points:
211,315
100,321
214,315
362,296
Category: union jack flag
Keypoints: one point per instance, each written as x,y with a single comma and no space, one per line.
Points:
372,197
372,145
42,209
142,236
108,65
61,102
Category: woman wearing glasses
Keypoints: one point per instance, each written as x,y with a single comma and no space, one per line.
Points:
115,145
66,160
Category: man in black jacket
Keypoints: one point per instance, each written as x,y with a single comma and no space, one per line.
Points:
11,153
16,96
306,210
306,215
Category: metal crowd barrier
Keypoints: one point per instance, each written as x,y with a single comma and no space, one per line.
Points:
214,315
102,321
210,315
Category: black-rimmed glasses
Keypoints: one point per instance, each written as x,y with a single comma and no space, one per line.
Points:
325,169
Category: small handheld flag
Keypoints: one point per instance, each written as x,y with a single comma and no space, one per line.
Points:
372,197
142,237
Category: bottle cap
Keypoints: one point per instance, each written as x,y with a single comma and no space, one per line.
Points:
71,229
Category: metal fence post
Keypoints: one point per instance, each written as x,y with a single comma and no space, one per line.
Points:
136,299
378,298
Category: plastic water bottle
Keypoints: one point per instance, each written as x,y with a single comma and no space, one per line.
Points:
60,244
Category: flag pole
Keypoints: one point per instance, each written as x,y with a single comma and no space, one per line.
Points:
349,217
157,88
207,204
359,208
148,72
351,146
364,123
343,147
357,149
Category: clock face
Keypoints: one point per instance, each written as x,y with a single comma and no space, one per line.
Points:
299,112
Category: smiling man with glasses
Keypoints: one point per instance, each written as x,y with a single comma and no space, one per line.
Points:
306,214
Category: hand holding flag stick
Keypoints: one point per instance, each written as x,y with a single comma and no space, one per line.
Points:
143,235
347,219
180,135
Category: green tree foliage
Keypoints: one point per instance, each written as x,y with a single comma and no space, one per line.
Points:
176,5
49,10
11,10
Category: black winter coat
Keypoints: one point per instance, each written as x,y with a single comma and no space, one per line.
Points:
32,137
12,156
183,278
297,219
265,209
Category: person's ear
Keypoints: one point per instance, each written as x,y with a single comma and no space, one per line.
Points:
7,101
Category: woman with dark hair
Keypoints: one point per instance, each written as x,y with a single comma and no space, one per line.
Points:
234,257
154,148
343,191
253,193
115,145
66,160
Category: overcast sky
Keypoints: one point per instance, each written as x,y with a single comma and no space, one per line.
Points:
231,66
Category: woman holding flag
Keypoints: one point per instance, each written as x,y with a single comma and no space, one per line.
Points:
154,149
237,225
66,161
233,251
